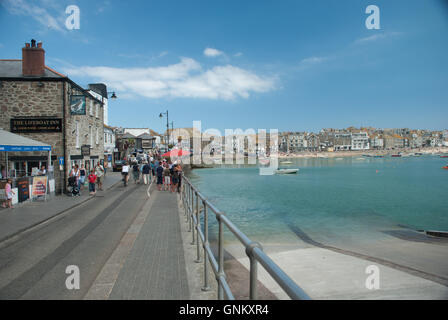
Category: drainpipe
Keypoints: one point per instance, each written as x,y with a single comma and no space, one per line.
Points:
63,137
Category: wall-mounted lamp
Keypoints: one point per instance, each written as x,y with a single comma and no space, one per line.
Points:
113,96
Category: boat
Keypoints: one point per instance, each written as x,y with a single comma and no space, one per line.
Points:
264,161
445,167
378,156
444,156
396,155
286,171
286,162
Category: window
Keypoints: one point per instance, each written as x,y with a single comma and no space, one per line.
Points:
77,133
105,137
97,136
91,107
97,110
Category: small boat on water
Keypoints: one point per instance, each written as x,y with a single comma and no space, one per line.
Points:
286,162
444,156
445,167
378,156
286,171
396,155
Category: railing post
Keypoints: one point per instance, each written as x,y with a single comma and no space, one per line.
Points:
220,258
191,218
206,245
253,269
198,226
191,209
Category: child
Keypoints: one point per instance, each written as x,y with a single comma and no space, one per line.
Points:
8,193
92,180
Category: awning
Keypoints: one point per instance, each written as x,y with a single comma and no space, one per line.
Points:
13,142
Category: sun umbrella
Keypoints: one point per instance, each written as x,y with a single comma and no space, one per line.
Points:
176,153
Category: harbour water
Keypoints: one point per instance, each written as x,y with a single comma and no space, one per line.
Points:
334,201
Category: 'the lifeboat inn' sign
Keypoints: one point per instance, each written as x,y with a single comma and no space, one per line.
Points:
36,125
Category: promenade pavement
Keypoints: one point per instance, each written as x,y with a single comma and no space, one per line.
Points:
152,257
32,213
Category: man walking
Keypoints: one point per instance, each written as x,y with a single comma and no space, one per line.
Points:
99,172
145,172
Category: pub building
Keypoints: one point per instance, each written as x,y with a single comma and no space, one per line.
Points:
42,104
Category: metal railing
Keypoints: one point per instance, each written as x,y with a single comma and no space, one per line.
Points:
194,204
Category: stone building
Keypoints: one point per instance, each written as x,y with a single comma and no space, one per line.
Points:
43,104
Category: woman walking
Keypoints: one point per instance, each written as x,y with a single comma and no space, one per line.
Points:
166,177
8,192
82,177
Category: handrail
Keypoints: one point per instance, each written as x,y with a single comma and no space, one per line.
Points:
191,199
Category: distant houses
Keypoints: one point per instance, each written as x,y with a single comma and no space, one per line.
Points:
351,138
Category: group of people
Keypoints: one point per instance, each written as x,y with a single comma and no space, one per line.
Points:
95,177
169,176
166,174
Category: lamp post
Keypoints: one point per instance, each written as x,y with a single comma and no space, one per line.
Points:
167,127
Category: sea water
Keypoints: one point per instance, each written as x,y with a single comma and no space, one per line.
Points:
331,200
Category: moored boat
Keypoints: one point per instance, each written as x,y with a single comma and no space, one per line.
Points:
286,162
286,171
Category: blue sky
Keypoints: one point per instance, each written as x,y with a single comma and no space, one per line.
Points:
288,64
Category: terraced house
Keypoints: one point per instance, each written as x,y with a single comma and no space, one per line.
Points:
31,92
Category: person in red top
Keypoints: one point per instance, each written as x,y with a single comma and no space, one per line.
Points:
92,180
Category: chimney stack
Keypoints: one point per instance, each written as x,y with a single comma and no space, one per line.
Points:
33,59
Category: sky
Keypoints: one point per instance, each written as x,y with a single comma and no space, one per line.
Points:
291,65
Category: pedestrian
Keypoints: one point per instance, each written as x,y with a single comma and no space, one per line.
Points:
82,176
153,170
92,179
76,174
125,173
175,176
8,192
106,164
42,171
180,173
159,172
99,172
166,177
136,172
145,172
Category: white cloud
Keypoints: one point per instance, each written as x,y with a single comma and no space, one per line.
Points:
185,79
377,36
210,52
313,60
37,11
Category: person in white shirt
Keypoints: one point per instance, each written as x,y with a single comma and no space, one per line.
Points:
125,172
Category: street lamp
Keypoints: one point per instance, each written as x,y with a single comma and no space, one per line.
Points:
167,127
113,96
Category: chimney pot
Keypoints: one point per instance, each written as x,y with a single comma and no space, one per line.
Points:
27,45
